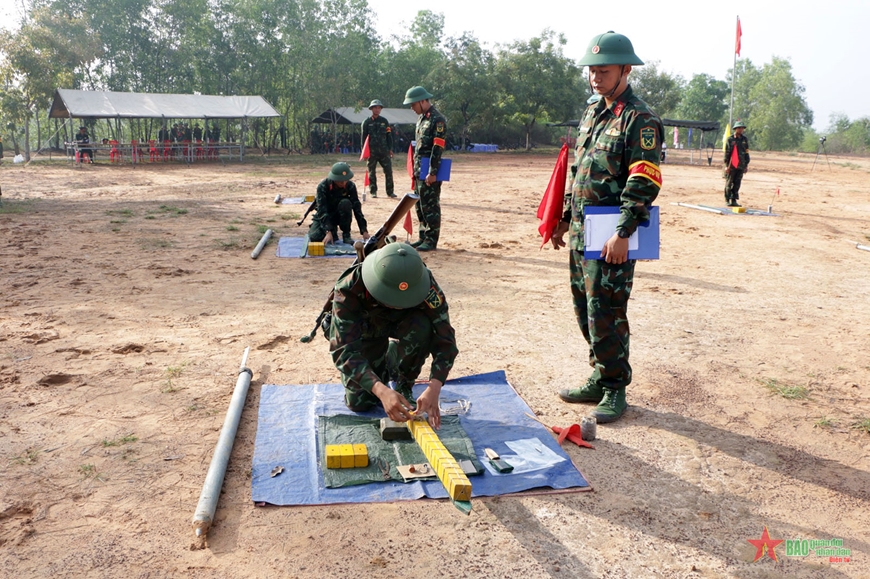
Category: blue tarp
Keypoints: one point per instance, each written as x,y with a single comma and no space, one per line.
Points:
287,437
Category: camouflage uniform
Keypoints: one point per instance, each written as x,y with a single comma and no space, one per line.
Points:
335,207
380,146
431,132
734,176
359,340
617,164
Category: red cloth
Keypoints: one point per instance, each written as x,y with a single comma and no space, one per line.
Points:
735,159
410,164
550,209
739,34
366,181
365,152
572,433
408,226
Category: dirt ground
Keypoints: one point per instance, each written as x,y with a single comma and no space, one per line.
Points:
128,295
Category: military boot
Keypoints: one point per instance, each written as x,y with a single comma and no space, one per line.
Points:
426,246
611,406
589,392
347,238
417,243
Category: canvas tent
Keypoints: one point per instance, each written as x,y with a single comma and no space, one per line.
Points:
351,116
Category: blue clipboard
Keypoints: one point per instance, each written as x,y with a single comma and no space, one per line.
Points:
443,169
648,240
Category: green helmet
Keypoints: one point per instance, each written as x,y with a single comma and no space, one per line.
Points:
738,125
609,48
395,276
340,172
376,103
415,94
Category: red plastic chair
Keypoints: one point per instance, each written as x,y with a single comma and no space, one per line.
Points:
152,149
200,153
167,149
114,154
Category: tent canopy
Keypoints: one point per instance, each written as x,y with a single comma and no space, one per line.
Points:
702,125
103,105
350,116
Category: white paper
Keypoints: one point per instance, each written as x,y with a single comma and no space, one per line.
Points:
598,228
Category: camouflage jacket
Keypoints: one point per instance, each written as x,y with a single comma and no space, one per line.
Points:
616,163
380,135
742,144
431,132
357,316
327,199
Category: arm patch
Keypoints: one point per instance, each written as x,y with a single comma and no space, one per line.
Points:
434,299
646,170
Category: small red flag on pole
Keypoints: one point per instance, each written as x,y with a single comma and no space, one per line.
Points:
410,164
408,226
366,182
739,34
550,209
366,152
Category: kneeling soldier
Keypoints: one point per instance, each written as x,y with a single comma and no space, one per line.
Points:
337,202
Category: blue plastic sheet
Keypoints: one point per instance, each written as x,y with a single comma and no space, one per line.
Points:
287,437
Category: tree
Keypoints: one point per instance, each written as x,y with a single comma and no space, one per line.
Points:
660,90
538,83
780,113
704,99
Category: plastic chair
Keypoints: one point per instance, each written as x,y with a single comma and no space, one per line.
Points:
152,149
114,154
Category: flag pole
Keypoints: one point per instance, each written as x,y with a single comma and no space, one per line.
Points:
734,74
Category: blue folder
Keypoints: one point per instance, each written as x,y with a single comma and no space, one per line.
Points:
647,232
443,169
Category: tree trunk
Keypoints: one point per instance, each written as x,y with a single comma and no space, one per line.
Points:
38,130
27,138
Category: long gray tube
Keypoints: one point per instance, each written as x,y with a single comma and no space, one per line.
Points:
864,247
262,244
214,479
689,205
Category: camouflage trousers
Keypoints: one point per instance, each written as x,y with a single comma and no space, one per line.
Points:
428,211
600,291
732,184
318,231
387,164
399,359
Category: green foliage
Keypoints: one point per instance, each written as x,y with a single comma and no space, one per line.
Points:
788,391
704,99
659,89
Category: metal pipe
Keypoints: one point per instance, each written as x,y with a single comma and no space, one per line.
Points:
701,207
864,247
214,479
262,244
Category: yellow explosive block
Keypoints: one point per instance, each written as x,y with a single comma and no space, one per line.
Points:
346,451
449,472
315,248
333,456
738,209
309,198
360,456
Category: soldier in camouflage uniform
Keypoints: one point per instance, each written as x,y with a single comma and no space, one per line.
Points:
380,136
617,164
734,175
392,294
431,132
337,201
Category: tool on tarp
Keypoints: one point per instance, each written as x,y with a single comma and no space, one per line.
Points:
496,461
571,433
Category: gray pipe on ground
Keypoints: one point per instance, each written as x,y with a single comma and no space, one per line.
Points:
214,479
262,244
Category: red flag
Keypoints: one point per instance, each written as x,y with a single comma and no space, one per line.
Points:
366,152
739,34
550,209
366,182
408,226
735,160
410,164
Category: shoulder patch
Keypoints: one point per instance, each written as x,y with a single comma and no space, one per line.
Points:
439,127
434,299
648,138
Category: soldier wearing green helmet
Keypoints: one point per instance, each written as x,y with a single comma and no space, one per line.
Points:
616,164
337,202
431,137
388,316
377,129
736,163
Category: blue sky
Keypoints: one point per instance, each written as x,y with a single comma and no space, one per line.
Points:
826,42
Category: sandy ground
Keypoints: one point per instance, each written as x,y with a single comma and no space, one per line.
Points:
128,295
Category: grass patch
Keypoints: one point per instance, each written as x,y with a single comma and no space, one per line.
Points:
150,217
16,207
290,216
863,424
120,212
232,228
90,471
788,391
119,441
262,229
172,373
173,211
824,422
228,244
30,456
118,221
154,243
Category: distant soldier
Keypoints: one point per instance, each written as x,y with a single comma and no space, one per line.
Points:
734,174
337,203
197,133
380,136
430,135
388,316
82,138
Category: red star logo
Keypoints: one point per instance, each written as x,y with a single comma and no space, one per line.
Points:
765,545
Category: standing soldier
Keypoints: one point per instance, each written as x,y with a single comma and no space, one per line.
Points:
337,203
380,136
431,132
388,316
617,164
734,173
